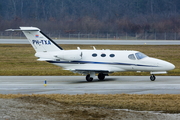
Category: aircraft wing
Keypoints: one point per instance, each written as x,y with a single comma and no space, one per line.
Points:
91,70
97,70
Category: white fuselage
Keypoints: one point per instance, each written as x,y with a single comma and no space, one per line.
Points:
107,60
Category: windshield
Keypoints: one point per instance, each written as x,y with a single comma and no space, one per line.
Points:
140,55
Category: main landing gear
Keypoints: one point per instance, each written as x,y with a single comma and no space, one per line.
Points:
89,77
101,76
152,77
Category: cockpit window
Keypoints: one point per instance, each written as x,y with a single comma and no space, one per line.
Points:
140,55
132,57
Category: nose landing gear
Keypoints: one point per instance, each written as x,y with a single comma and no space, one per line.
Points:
152,77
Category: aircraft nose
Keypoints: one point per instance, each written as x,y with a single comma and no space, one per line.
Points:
162,64
168,65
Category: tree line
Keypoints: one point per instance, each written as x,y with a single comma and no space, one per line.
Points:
92,16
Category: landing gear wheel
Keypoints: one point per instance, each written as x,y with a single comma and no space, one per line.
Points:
101,76
88,78
152,77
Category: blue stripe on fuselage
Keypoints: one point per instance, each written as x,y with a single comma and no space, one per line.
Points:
91,62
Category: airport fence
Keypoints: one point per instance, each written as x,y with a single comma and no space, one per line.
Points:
99,36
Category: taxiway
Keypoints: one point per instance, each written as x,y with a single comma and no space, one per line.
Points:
78,85
99,42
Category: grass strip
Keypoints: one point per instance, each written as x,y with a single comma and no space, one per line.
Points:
166,103
19,59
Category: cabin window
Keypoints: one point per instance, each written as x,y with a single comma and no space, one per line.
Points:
140,55
111,55
132,57
103,55
94,55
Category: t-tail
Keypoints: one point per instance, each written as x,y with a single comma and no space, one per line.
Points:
39,41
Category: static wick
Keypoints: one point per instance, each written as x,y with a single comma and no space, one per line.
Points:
45,83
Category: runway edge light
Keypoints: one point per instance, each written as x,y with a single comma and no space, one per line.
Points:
45,83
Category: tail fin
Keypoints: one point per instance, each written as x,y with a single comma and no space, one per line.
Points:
39,41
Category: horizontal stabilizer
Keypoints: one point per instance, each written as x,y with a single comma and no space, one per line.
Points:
13,30
25,29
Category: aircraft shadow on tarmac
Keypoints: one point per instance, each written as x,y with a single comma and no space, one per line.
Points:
95,81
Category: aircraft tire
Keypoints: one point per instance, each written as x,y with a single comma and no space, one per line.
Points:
152,77
88,78
101,76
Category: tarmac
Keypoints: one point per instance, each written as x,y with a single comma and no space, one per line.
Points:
78,85
99,42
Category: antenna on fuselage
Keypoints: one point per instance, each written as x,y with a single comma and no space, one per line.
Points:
78,48
93,47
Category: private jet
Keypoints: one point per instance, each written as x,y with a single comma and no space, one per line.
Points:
92,62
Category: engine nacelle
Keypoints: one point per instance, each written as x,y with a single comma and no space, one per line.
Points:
70,55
